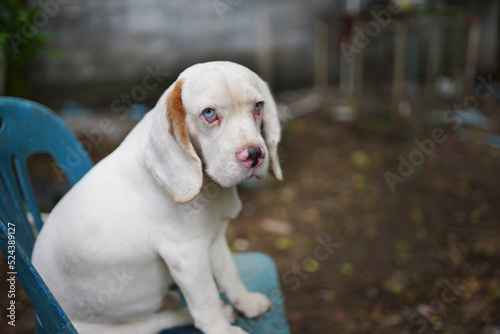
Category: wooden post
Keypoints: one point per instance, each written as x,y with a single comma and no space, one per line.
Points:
399,68
265,65
356,72
321,57
433,61
471,56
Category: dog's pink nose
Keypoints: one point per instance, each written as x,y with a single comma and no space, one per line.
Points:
252,157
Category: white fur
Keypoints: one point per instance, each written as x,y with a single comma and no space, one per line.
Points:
118,240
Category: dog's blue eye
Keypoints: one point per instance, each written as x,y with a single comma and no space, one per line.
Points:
210,115
257,108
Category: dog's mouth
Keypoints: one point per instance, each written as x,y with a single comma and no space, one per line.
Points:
258,170
234,179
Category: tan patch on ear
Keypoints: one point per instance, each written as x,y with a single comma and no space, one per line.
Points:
176,116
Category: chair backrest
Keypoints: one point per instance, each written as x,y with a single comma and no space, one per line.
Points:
28,128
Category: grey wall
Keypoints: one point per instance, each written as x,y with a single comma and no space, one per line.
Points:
101,49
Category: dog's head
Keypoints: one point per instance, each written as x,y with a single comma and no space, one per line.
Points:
219,117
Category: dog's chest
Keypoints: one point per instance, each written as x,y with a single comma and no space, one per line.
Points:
214,203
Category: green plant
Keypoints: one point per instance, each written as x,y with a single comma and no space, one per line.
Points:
21,40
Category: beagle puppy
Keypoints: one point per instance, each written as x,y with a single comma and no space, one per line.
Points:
154,212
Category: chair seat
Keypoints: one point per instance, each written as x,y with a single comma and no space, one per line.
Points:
258,272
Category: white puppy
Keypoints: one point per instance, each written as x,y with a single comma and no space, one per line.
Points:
155,211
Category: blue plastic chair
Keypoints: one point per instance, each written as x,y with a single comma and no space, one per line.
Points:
28,128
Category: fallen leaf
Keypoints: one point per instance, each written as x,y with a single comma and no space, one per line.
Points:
241,244
276,227
283,243
347,268
390,320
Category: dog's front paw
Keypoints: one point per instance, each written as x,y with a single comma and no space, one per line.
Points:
253,304
228,312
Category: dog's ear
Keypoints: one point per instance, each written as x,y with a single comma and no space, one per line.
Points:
272,129
169,156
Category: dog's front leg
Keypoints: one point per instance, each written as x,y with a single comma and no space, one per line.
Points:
190,267
251,304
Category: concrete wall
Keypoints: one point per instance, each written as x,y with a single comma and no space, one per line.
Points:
101,49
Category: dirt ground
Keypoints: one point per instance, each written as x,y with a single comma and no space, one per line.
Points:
353,256
421,259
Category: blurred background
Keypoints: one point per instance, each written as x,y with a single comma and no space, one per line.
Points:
387,220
